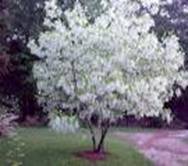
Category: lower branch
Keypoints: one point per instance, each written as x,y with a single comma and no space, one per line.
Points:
100,146
92,136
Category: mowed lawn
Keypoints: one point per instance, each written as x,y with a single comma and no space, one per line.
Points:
43,147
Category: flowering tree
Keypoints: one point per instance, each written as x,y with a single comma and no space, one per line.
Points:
107,67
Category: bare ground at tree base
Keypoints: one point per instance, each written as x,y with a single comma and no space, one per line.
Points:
163,147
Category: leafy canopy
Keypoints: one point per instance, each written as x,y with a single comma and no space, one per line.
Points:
109,66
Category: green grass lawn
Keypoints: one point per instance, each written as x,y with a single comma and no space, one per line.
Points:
46,148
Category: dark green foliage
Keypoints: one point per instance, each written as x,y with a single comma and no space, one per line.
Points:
19,21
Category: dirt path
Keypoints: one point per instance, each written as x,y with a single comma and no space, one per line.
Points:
163,147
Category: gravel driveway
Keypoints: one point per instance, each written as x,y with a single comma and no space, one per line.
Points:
163,147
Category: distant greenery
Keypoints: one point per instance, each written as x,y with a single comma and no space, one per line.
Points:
132,129
46,148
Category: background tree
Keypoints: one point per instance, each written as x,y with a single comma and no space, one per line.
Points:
19,21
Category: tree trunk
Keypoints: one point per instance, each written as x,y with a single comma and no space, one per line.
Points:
92,136
28,106
100,147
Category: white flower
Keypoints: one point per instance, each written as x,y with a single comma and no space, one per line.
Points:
112,65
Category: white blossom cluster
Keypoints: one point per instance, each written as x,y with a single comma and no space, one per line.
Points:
112,65
64,124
